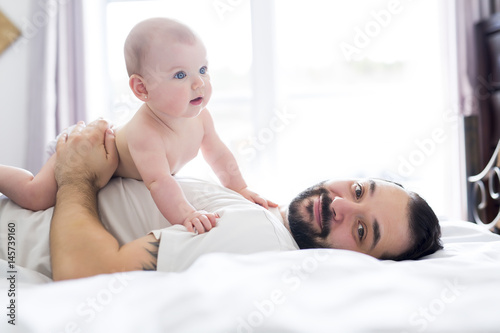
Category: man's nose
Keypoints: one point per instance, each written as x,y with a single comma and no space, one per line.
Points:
341,209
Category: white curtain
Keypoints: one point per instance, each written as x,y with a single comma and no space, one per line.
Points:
57,74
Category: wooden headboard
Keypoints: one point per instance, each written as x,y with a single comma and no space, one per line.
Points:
483,145
487,90
486,192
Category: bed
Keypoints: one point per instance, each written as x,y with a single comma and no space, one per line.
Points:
456,289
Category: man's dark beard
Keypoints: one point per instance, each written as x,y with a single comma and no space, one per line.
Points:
302,231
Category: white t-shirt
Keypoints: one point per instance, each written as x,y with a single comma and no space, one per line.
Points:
243,228
128,212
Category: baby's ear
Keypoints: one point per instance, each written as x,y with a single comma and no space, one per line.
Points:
138,87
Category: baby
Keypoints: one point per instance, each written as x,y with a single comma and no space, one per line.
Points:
167,66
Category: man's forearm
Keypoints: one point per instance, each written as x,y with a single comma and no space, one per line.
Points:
81,246
79,242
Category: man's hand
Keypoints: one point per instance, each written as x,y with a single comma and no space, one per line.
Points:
87,155
255,198
79,244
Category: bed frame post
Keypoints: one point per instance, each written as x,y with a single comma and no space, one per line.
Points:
486,191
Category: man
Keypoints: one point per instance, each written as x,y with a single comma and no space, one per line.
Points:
370,216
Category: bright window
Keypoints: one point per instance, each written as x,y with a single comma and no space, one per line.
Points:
356,89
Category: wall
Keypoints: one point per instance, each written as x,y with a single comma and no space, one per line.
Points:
14,82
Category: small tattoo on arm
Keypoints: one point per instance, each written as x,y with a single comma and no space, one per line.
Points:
153,251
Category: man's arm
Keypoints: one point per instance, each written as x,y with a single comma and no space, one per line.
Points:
80,245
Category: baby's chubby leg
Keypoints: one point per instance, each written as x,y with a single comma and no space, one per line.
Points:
28,191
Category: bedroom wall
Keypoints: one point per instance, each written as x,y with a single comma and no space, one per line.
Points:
14,82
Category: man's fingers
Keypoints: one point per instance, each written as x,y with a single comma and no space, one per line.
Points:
101,124
109,144
78,128
61,140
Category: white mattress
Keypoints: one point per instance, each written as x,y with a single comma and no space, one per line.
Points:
454,290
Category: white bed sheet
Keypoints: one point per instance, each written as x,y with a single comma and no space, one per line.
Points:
454,290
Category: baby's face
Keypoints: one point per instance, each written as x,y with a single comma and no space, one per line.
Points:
177,78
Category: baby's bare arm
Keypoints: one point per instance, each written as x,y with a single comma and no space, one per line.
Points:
222,161
149,155
219,157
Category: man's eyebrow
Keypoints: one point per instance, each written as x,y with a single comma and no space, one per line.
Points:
372,186
376,234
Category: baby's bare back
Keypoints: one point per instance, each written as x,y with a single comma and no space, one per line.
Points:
126,166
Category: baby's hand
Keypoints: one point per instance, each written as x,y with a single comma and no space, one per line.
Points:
254,197
201,221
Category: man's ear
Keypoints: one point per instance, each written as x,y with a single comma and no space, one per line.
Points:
138,87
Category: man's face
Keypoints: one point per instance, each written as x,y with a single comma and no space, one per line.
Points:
367,216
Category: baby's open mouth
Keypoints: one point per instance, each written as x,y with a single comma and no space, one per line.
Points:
196,101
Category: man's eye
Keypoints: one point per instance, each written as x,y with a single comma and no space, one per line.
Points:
180,75
358,191
361,231
203,70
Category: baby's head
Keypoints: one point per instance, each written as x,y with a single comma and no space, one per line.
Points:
167,67
148,36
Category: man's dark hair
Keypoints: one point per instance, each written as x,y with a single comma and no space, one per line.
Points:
425,232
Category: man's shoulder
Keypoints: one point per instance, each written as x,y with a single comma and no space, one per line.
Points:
255,229
206,194
240,230
240,220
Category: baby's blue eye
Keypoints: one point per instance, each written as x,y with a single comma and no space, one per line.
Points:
203,70
180,75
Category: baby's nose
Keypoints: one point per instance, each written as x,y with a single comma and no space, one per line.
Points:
199,82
